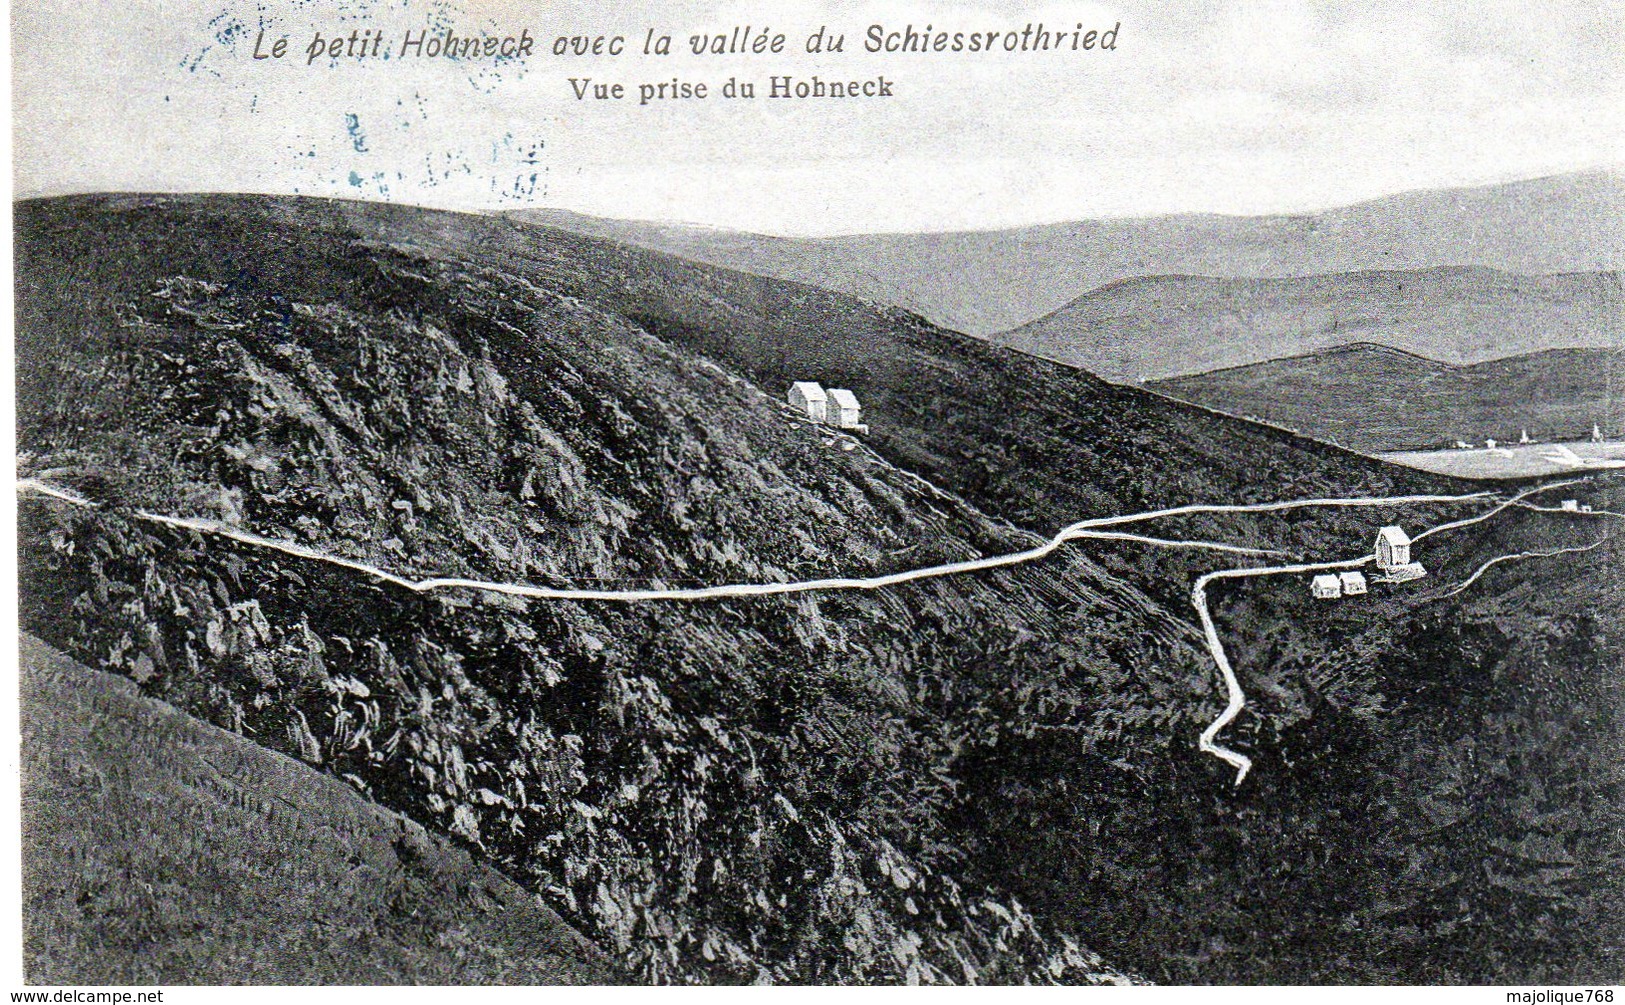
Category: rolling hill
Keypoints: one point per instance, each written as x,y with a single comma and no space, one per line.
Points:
991,282
1372,398
1166,326
983,778
250,867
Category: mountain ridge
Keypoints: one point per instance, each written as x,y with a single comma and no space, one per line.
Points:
1164,326
990,282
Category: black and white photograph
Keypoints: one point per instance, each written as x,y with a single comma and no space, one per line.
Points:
818,493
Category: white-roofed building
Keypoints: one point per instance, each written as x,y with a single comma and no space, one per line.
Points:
809,398
1393,548
1325,587
844,410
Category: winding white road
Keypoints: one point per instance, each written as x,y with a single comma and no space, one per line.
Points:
1081,530
1237,698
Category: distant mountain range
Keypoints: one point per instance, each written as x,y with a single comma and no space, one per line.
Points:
986,282
1374,398
1164,326
1365,325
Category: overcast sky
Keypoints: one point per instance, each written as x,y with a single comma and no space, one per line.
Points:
1218,107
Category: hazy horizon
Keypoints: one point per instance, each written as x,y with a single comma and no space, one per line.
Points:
1616,171
1278,107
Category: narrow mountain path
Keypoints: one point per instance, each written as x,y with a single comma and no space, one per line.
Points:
1518,556
1081,530
1237,698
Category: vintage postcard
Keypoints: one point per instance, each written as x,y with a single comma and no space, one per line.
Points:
815,493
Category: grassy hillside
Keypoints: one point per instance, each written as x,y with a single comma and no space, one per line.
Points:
991,777
1373,398
1171,325
158,849
990,282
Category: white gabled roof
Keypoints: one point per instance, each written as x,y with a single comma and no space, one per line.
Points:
1393,535
1351,577
842,397
810,389
1326,580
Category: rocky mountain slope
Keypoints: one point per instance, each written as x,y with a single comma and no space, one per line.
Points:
747,790
990,777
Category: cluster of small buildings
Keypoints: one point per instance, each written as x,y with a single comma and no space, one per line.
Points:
1524,439
1329,586
836,406
1393,560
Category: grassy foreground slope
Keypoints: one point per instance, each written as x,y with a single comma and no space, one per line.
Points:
1372,398
966,779
161,850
